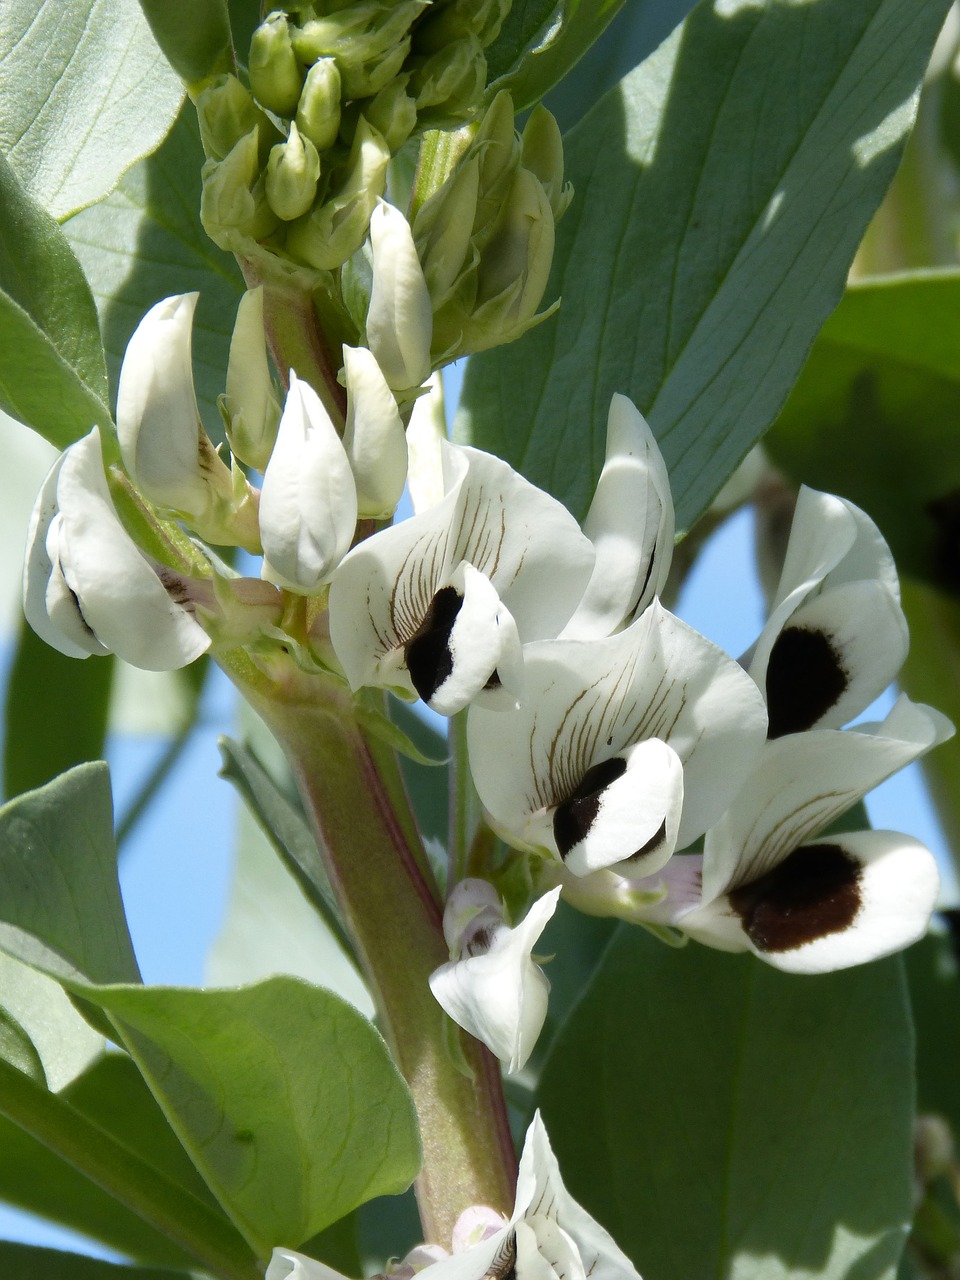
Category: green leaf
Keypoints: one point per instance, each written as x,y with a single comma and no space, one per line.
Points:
539,43
68,698
144,242
931,674
932,972
26,1262
194,35
64,1044
17,1048
112,1093
740,1122
874,414
61,908
51,360
84,93
284,1096
722,192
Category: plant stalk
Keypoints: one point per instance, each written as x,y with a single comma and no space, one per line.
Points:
354,794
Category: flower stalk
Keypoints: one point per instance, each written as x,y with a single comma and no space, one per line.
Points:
354,797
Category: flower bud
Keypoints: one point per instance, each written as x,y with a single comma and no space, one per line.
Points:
167,453
370,41
327,237
542,153
251,402
448,84
517,259
498,152
234,199
457,18
373,436
443,229
226,112
318,111
400,315
293,171
308,502
393,113
275,74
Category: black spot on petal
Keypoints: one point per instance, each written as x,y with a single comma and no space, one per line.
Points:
427,653
574,817
480,941
654,842
805,678
814,892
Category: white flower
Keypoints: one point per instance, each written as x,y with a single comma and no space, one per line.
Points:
400,315
165,449
631,525
836,635
547,1237
308,502
802,901
622,749
86,586
492,987
438,605
373,436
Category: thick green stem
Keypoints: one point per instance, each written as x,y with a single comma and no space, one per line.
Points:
170,1208
352,793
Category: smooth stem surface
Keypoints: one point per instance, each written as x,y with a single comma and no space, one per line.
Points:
394,918
169,1208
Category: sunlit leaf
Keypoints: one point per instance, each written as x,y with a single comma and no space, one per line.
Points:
144,242
738,1122
84,93
194,35
51,360
61,906
722,193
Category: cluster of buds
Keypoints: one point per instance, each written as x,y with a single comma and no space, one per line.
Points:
485,238
299,159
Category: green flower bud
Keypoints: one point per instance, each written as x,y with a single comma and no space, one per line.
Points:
370,41
276,77
448,84
233,199
318,111
327,237
393,113
520,250
293,171
226,111
496,301
251,405
542,153
443,229
456,18
498,151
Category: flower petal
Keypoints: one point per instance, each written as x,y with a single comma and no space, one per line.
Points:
541,1194
631,525
400,315
499,995
49,606
165,449
121,597
308,503
828,905
803,783
838,651
637,810
525,542
373,436
287,1265
585,702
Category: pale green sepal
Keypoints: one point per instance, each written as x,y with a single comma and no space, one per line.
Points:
275,74
318,111
293,171
374,721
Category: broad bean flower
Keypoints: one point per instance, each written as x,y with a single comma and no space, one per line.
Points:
548,1234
